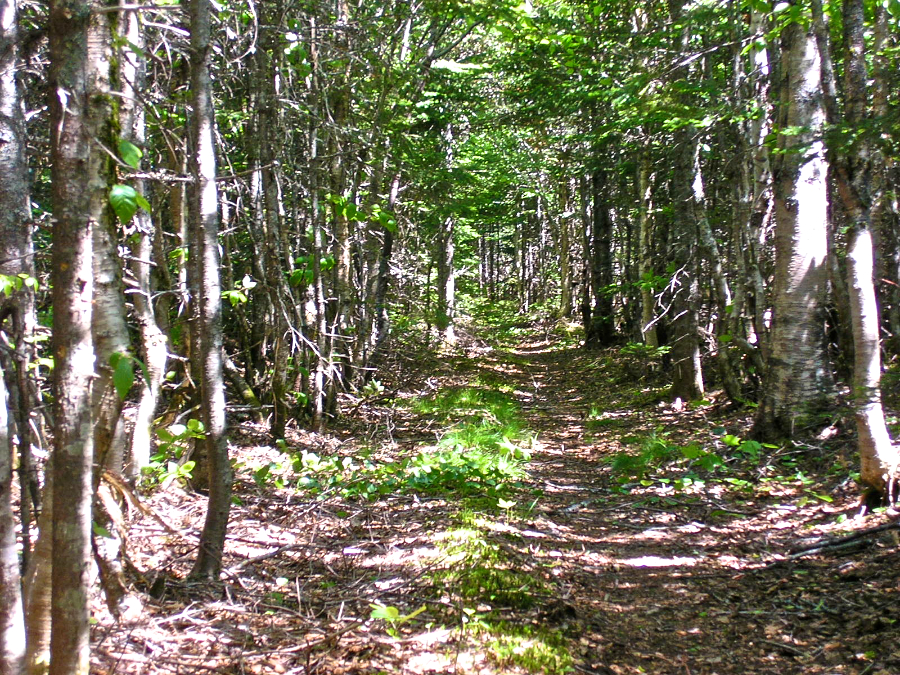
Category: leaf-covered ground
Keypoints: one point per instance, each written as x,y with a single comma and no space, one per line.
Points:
516,507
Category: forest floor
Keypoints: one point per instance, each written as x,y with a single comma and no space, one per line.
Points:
607,531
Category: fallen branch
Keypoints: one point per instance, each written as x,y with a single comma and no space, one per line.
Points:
840,542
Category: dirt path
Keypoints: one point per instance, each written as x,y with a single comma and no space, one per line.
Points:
587,568
659,580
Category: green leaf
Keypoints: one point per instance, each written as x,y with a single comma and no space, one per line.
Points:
123,199
893,8
130,154
100,531
692,451
123,373
196,426
386,612
387,222
177,430
142,202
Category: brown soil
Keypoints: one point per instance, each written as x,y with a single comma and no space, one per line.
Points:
646,578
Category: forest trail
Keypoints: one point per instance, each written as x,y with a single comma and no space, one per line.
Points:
640,539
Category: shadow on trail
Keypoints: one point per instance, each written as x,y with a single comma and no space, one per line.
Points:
582,568
658,580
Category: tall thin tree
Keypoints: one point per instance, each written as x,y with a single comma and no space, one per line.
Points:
204,249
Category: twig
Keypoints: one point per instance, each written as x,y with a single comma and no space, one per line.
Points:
836,543
790,649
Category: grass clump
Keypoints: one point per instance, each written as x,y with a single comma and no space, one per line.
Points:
478,572
483,451
533,649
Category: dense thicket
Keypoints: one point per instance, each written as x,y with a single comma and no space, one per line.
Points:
276,193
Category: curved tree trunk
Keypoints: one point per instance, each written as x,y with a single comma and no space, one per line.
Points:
879,458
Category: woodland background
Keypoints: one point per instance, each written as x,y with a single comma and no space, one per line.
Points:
245,209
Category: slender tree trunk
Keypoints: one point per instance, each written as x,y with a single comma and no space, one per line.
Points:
38,587
564,247
79,57
645,266
12,619
446,273
601,330
884,219
17,315
687,376
154,348
205,225
852,167
721,292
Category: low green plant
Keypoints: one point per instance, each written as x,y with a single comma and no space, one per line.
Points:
483,451
391,615
533,649
459,470
643,352
657,452
170,462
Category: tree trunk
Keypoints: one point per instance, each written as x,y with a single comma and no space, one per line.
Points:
12,619
205,250
852,166
79,57
154,349
798,384
17,315
446,274
600,330
687,376
645,266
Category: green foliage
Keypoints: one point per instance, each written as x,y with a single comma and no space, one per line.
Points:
483,452
11,283
169,463
479,573
125,201
130,154
639,350
391,615
122,364
533,648
238,295
655,453
433,471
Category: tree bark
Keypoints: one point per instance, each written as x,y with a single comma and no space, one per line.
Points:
879,458
12,619
445,254
600,330
645,265
17,315
205,251
79,57
798,383
153,343
687,376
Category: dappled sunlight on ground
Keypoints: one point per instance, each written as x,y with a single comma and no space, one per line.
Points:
576,568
